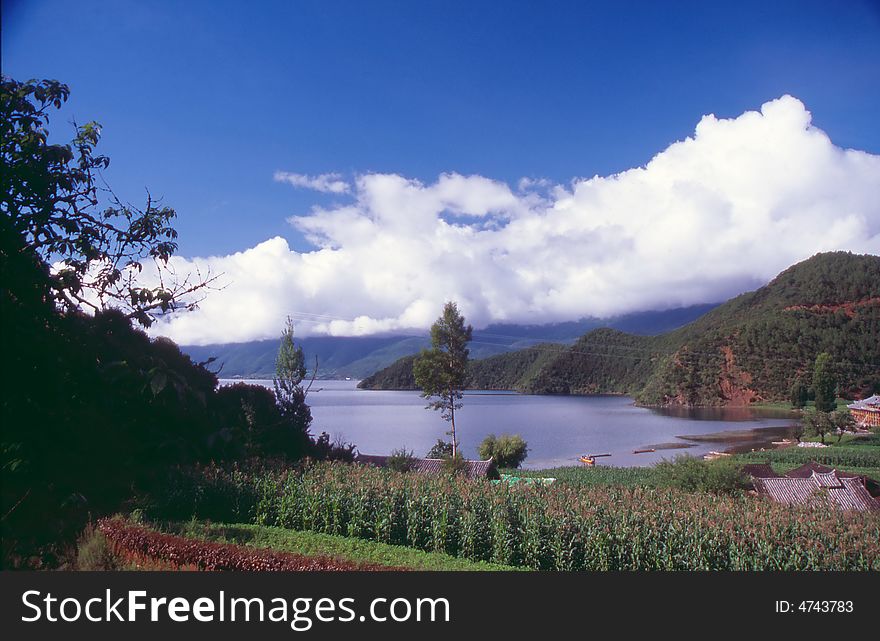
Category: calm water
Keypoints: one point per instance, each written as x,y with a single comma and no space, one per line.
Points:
558,429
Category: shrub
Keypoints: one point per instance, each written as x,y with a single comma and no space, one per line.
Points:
441,449
93,551
455,464
692,475
401,460
798,394
506,450
337,450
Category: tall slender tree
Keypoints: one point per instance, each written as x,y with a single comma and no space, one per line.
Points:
824,384
290,371
442,371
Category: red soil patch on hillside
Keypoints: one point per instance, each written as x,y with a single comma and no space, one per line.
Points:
734,383
849,308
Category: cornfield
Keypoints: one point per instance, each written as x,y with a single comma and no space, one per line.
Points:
557,527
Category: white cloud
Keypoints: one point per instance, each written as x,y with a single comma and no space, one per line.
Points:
711,216
327,183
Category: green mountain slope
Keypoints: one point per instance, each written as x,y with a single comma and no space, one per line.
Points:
749,349
357,357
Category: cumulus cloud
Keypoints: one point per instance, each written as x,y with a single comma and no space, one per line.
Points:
711,216
327,183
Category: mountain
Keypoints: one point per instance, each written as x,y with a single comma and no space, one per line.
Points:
357,357
750,349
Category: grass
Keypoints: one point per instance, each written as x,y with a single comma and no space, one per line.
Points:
317,544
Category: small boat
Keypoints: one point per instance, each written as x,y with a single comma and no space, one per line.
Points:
645,451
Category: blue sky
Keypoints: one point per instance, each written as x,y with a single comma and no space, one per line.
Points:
203,102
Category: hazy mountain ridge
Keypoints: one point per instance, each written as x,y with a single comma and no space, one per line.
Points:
749,349
359,357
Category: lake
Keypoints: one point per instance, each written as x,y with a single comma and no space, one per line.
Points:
558,429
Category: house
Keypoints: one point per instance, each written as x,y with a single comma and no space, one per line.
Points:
474,469
814,484
866,412
759,471
806,470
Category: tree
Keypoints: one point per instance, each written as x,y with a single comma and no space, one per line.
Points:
824,384
817,424
440,449
290,370
401,460
799,394
51,198
843,421
442,371
505,450
96,409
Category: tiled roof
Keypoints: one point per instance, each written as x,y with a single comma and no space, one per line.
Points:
822,488
871,404
759,471
474,470
807,470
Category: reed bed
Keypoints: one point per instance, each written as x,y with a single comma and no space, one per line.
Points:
557,527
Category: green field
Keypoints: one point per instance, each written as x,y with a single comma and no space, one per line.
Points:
598,476
318,544
859,454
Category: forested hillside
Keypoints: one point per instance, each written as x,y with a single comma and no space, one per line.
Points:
752,348
360,356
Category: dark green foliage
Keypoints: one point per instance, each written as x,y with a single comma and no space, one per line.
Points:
93,410
799,395
251,420
696,475
506,450
401,460
325,450
397,376
515,370
824,385
290,370
440,449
